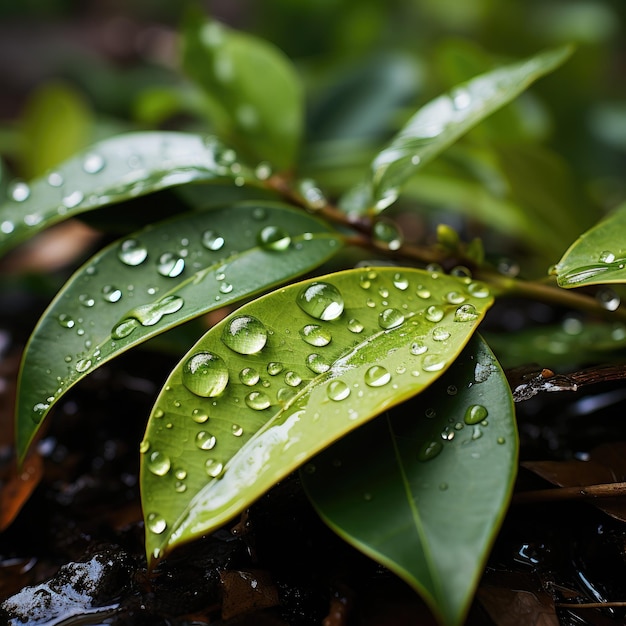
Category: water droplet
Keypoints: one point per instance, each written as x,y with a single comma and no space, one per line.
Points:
434,313
383,292
606,256
111,293
263,170
365,281
73,199
337,390
245,334
390,318
212,240
274,368
418,347
500,441
608,299
466,313
370,303
205,440
32,219
475,414
386,235
236,430
274,238
199,416
430,413
292,379
258,400
354,326
158,463
156,523
478,289
82,365
158,412
461,99
93,163
213,468
433,363
205,374
508,267
144,446
423,293
249,376
311,194
66,321
7,227
440,334
451,390
430,450
19,191
454,297
132,253
400,282
315,335
321,301
317,364
170,265
86,300
180,487
460,271
124,328
377,376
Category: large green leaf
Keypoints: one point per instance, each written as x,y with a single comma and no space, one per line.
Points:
156,279
597,256
284,376
253,91
113,170
424,489
440,123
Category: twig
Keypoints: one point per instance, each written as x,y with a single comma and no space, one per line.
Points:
589,605
605,490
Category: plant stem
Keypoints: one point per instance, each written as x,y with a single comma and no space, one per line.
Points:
605,490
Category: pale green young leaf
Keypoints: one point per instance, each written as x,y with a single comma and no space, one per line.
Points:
156,279
286,375
428,502
113,170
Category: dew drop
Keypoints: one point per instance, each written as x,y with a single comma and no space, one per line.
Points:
478,290
475,414
454,297
263,170
158,463
93,163
365,281
423,293
205,374
434,313
317,364
466,313
451,390
386,235
377,376
180,487
226,288
19,191
390,318
461,99
418,347
370,303
322,301
66,321
274,238
245,334
170,265
73,199
124,328
430,450
7,227
311,194
214,468
354,326
82,365
500,441
400,282
212,240
144,446
156,523
433,363
205,440
430,413
132,253
249,376
199,416
55,179
383,292
111,293
274,368
236,430
460,271
292,379
606,256
315,335
158,413
337,390
608,299
86,300
258,400
440,334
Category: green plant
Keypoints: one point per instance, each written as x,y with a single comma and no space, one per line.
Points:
316,374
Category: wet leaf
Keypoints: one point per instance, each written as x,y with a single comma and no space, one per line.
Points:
424,489
597,256
441,122
158,278
254,94
512,607
284,376
113,170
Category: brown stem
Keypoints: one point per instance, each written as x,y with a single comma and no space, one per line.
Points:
589,605
605,490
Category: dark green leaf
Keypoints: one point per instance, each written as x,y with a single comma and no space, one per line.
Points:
156,279
424,489
254,93
113,170
284,376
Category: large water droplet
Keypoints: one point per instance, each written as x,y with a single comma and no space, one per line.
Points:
274,238
317,364
390,318
430,450
245,334
337,390
386,235
212,240
158,463
170,265
214,468
315,335
354,326
132,253
292,379
19,191
475,414
205,440
93,163
434,313
377,376
433,363
258,400
466,313
111,293
156,523
249,376
321,301
205,374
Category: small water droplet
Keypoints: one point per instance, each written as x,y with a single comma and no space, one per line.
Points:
440,333
86,300
337,390
258,400
292,379
7,227
315,335
454,297
19,191
205,374
199,416
508,267
451,390
354,326
111,293
82,365
132,252
311,194
274,368
73,199
475,414
317,364
608,299
377,376
370,303
500,441
478,289
93,163
430,450
170,265
144,446
156,523
180,486
418,347
245,334
274,238
124,328
263,170
158,413
383,292
214,468
212,240
460,271
461,98
66,321
433,363
205,440
158,463
423,293
400,282
236,430
606,256
386,235
364,281
466,313
434,313
390,318
320,300
249,376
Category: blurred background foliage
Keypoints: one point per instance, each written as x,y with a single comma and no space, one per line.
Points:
536,174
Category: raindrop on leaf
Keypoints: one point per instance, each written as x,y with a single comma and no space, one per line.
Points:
205,374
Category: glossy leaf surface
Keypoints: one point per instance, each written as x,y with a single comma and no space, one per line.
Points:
254,94
284,376
441,122
156,279
597,256
111,171
423,489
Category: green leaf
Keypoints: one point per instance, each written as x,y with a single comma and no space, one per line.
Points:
113,170
441,122
429,499
253,91
158,278
284,376
597,256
